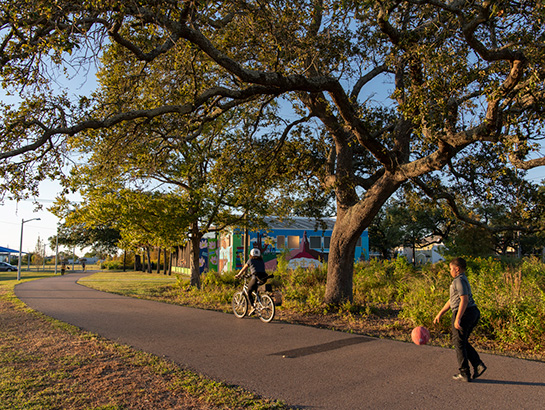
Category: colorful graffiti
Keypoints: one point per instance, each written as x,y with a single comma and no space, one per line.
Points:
225,252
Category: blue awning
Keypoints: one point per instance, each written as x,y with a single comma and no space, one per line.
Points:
8,250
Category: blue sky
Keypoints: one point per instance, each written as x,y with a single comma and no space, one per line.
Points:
12,213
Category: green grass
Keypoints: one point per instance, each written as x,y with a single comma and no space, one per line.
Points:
127,283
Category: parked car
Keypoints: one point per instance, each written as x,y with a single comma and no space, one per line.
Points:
4,266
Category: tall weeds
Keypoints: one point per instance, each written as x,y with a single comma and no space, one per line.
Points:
509,295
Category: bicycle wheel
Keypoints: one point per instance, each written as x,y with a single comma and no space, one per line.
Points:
266,309
239,304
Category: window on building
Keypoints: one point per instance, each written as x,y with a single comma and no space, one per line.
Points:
280,242
315,242
327,240
293,242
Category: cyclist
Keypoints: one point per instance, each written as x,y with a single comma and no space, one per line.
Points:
257,272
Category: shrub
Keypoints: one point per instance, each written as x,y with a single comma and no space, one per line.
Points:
302,289
377,283
112,265
425,294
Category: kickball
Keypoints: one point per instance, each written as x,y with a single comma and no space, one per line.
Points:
420,335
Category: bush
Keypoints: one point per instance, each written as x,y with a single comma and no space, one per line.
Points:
425,295
302,289
512,303
112,265
381,283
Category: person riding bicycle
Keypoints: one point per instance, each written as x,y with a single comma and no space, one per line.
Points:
257,272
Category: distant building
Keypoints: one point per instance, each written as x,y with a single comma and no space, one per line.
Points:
5,254
427,251
305,242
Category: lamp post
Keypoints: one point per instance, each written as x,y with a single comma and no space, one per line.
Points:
21,246
56,249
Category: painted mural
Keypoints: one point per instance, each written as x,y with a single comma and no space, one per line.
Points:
213,256
301,243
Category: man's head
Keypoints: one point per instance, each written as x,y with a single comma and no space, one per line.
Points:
457,266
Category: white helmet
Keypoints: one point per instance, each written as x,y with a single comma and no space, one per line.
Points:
255,252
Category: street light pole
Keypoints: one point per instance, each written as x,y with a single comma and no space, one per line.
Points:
56,249
21,246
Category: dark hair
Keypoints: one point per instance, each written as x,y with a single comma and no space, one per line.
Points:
460,262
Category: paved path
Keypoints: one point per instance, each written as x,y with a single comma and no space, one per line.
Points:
306,367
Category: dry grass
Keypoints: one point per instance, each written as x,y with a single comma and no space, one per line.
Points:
45,364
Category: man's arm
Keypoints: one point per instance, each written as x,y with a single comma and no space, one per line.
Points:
464,300
445,308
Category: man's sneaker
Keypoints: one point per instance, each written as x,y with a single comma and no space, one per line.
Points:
461,377
480,369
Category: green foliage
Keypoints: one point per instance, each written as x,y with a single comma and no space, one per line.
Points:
215,288
471,241
377,283
426,293
511,300
510,297
304,289
407,218
214,279
112,265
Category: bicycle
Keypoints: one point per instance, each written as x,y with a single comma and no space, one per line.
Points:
263,303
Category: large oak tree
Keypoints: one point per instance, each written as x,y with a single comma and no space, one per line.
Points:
403,89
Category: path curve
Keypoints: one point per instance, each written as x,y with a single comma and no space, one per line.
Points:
304,366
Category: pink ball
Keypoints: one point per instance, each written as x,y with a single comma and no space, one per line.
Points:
420,335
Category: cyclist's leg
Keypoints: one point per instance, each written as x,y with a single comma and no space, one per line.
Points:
252,287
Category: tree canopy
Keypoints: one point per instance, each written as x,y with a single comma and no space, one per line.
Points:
422,91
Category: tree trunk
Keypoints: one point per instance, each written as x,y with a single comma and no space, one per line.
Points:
137,263
351,222
158,260
340,270
165,268
148,254
194,256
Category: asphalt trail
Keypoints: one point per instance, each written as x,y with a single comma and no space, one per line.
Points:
306,367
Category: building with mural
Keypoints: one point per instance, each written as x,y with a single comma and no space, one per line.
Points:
302,241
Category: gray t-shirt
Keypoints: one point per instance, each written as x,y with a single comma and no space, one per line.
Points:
459,287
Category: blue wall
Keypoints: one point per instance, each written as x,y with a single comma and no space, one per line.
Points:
321,237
